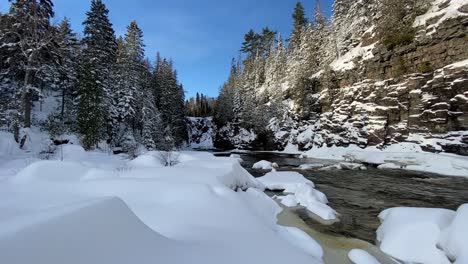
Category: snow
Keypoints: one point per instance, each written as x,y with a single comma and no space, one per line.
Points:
301,192
287,181
435,11
237,157
265,165
347,61
407,156
412,234
359,256
93,207
454,238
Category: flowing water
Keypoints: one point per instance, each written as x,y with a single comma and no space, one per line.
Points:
359,197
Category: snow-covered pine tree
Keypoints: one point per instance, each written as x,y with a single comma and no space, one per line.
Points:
65,71
31,34
171,99
98,59
133,68
90,114
300,24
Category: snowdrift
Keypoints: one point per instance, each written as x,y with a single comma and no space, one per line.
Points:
98,208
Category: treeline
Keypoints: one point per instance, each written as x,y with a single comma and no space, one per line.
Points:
254,92
200,106
284,79
107,89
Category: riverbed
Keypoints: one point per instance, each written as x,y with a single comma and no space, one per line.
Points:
359,197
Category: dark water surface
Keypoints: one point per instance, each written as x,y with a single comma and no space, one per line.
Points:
360,196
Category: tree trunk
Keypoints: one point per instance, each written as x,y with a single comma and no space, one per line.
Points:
27,93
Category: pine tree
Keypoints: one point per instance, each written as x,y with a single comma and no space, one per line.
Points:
32,34
133,61
171,100
90,114
300,24
319,17
252,43
66,71
99,57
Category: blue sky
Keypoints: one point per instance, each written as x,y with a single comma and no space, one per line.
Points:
202,36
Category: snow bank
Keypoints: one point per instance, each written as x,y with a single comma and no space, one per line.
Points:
302,192
412,234
359,256
407,156
265,165
8,145
101,208
454,239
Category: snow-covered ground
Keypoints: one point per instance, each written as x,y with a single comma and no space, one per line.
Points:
407,156
92,207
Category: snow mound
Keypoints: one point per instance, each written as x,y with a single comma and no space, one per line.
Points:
301,191
50,171
287,181
87,228
8,145
146,160
98,209
71,153
412,234
454,238
265,165
359,256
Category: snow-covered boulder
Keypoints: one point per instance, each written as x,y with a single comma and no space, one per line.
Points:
412,234
287,181
265,165
301,192
352,166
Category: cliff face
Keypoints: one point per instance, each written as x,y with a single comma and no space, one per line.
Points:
416,92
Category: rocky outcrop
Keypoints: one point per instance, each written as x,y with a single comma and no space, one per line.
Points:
379,96
201,131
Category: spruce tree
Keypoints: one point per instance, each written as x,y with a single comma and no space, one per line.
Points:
90,114
99,57
300,24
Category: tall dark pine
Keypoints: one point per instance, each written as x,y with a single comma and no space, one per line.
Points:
171,102
251,44
99,57
300,24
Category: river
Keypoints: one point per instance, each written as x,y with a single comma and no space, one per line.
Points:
359,197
